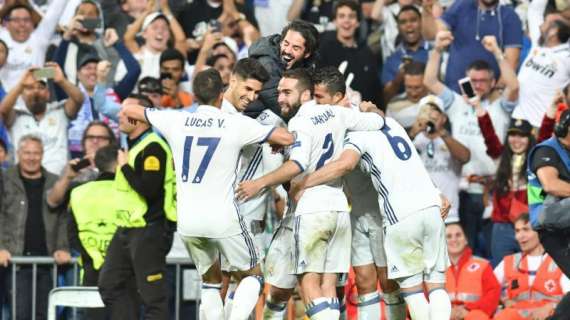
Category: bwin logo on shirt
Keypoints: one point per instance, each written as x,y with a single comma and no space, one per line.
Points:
547,70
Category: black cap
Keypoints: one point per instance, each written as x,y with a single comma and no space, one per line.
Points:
520,126
90,57
150,84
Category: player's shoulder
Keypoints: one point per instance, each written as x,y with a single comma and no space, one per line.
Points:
269,118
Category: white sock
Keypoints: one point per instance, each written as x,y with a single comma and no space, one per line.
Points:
319,309
211,301
229,302
369,306
419,306
274,310
439,304
395,305
245,298
334,305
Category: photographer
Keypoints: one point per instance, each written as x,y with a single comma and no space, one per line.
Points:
171,72
549,177
442,155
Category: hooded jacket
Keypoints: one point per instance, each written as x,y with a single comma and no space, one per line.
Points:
267,51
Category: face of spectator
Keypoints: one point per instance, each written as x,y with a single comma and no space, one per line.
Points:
456,240
3,54
243,91
293,49
96,137
157,34
415,89
323,96
410,27
224,66
518,143
526,237
482,81
405,2
346,22
289,98
35,95
489,3
87,75
154,97
134,7
30,157
20,25
173,67
225,50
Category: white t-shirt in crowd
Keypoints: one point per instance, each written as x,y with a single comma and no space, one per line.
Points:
52,129
396,169
444,170
533,265
206,146
320,133
543,72
465,128
32,52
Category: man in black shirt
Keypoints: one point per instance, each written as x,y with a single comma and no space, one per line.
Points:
549,175
146,214
29,227
342,46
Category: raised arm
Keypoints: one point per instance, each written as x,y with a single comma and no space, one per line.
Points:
75,96
46,28
7,105
335,169
431,80
281,136
134,28
133,110
431,24
295,10
175,27
508,74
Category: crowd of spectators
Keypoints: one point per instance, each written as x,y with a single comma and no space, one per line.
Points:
66,66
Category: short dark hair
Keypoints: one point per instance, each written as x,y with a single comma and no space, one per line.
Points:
414,68
481,65
307,31
88,2
351,4
250,68
143,100
207,86
172,54
409,7
331,78
94,123
305,81
563,33
524,217
211,61
17,6
106,158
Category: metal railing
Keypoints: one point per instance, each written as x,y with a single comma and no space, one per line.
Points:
17,262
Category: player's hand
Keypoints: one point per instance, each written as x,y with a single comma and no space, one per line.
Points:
297,189
248,189
61,257
445,206
5,258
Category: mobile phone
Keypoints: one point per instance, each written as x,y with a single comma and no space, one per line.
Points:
430,127
83,163
467,88
91,24
407,59
215,25
44,73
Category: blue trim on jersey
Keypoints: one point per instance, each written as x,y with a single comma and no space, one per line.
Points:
268,135
296,227
211,286
249,242
253,165
299,164
374,172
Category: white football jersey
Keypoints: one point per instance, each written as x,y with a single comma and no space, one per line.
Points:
206,147
320,131
398,174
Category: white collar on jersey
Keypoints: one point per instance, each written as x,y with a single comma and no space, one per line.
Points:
308,104
208,107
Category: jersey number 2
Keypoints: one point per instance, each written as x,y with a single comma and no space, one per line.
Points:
328,146
401,148
211,144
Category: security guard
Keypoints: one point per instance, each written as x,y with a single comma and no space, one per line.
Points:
144,189
92,222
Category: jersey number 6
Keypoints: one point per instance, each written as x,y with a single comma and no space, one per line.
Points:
401,148
211,144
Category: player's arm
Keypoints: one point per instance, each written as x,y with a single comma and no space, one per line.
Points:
284,173
133,110
281,136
